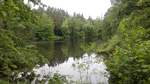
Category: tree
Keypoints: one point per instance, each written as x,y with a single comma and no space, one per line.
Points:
45,26
129,63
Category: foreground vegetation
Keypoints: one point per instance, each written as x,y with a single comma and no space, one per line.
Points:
130,52
124,30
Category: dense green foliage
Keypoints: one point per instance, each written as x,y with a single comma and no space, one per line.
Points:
54,23
129,63
78,28
16,51
125,31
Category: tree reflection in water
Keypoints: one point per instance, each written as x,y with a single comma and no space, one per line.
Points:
89,69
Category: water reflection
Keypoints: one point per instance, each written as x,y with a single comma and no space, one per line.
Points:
88,69
59,51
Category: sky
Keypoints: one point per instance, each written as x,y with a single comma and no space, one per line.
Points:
92,8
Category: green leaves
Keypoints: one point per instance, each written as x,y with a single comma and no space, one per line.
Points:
3,13
16,8
15,32
129,63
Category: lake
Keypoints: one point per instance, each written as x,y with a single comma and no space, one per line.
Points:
73,60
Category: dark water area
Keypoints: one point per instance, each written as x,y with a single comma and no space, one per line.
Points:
59,51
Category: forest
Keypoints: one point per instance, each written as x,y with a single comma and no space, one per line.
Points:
124,32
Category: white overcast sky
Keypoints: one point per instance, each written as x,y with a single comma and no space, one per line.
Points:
93,8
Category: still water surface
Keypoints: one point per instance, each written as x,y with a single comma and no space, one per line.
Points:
72,60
